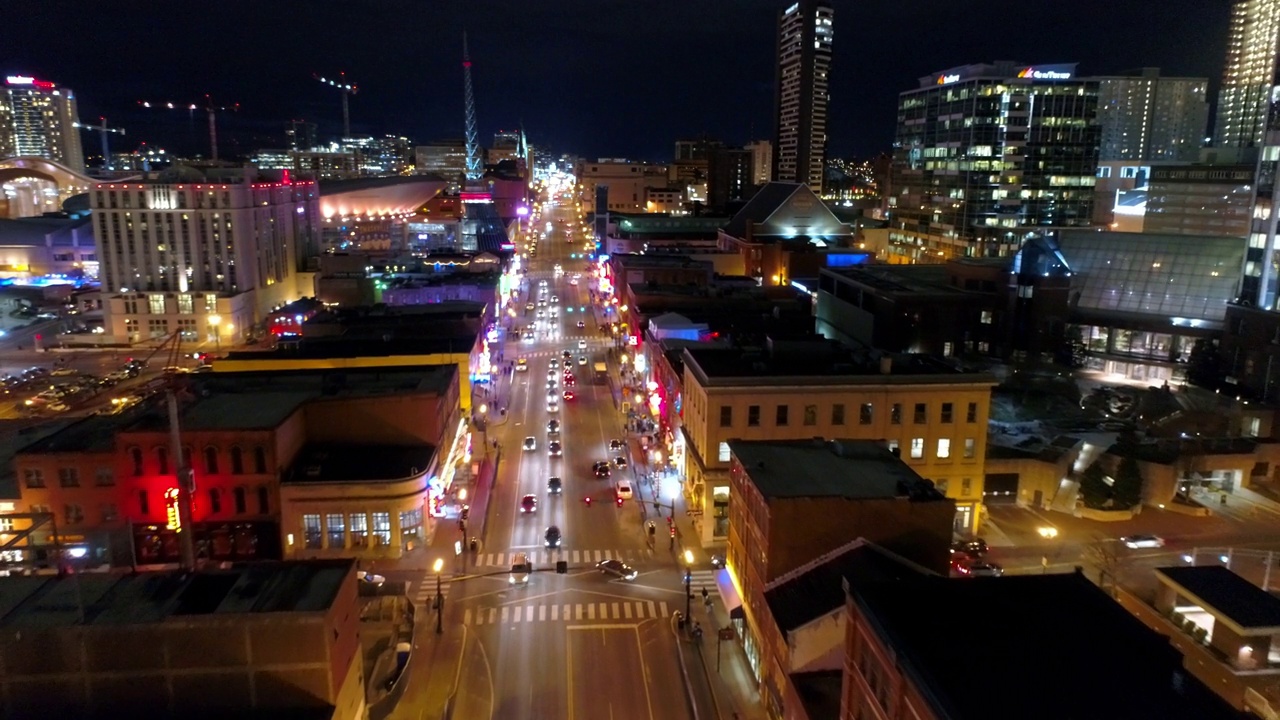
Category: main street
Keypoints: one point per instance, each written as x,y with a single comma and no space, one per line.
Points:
581,644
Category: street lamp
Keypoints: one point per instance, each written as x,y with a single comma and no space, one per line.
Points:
214,322
436,568
688,580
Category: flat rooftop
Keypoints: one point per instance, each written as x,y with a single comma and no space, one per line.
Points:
1099,661
338,462
914,280
257,400
809,592
817,361
1227,594
842,468
135,599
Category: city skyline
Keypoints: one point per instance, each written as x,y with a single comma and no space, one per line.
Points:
409,82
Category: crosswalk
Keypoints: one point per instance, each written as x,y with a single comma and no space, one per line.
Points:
700,579
549,557
426,594
567,612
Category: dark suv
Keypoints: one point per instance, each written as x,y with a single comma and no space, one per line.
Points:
555,486
601,470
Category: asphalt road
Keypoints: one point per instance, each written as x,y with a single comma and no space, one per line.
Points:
580,645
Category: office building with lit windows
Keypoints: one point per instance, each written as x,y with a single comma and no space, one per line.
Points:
1248,75
38,119
989,155
209,252
1144,116
804,66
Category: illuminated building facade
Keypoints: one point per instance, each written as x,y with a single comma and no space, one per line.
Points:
1247,78
206,252
761,161
804,64
989,155
1147,117
38,119
446,158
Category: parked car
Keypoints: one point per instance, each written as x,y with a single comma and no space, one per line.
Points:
980,569
976,547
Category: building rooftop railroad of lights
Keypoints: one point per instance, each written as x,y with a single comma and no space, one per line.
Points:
208,252
987,155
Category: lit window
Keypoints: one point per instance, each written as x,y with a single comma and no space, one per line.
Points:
944,447
917,448
969,445
724,452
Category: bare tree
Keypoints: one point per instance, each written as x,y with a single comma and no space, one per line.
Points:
1109,558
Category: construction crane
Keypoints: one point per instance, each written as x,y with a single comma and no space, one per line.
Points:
209,107
103,130
347,89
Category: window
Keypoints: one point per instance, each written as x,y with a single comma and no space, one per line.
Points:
104,477
917,448
810,414
73,514
109,512
921,414
69,477
144,505
893,448
972,414
259,460
946,412
780,416
944,447
895,414
135,456
985,318
239,496
311,536
211,460
941,485
215,500
864,414
359,530
726,416
724,452
33,478
237,461
837,414
753,416
382,529
336,529
264,500
969,445
162,460
965,486
155,304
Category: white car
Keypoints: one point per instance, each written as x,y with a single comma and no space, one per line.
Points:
1143,541
522,365
624,490
582,344
554,364
370,578
553,407
531,443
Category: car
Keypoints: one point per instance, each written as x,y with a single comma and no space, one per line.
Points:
528,504
568,395
581,324
528,306
553,426
555,449
976,547
552,537
601,470
582,359
582,344
554,364
617,568
553,406
616,445
542,283
521,569
1143,541
555,486
370,578
522,365
980,569
624,490
531,443
567,354
63,372
555,298
620,462
570,381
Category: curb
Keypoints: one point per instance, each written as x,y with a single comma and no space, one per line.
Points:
684,672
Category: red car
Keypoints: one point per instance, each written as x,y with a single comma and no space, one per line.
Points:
568,395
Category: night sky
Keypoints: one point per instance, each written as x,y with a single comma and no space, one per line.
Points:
607,78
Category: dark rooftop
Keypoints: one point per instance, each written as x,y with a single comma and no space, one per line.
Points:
914,280
1100,662
14,436
820,693
814,360
1169,451
758,209
809,592
844,468
332,462
152,597
1238,600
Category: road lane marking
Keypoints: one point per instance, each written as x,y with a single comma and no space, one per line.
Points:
555,612
591,611
528,612
542,613
626,609
663,606
578,611
515,613
604,611
644,671
505,613
616,613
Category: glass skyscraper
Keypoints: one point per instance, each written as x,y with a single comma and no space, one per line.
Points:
1249,73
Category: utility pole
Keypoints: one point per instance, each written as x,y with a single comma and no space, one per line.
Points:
186,483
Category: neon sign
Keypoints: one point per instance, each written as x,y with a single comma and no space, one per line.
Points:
20,80
1035,74
173,519
948,79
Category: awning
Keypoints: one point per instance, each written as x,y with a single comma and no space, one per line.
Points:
728,593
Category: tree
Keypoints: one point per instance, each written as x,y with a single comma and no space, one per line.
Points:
1127,490
1094,488
1109,558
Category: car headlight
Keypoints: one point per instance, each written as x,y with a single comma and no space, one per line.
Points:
511,579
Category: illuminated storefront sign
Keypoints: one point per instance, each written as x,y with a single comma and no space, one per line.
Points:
173,518
1051,72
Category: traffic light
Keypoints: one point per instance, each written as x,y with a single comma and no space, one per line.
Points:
673,531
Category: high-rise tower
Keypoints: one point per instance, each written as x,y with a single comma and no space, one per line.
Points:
482,229
473,147
804,63
39,119
1248,74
